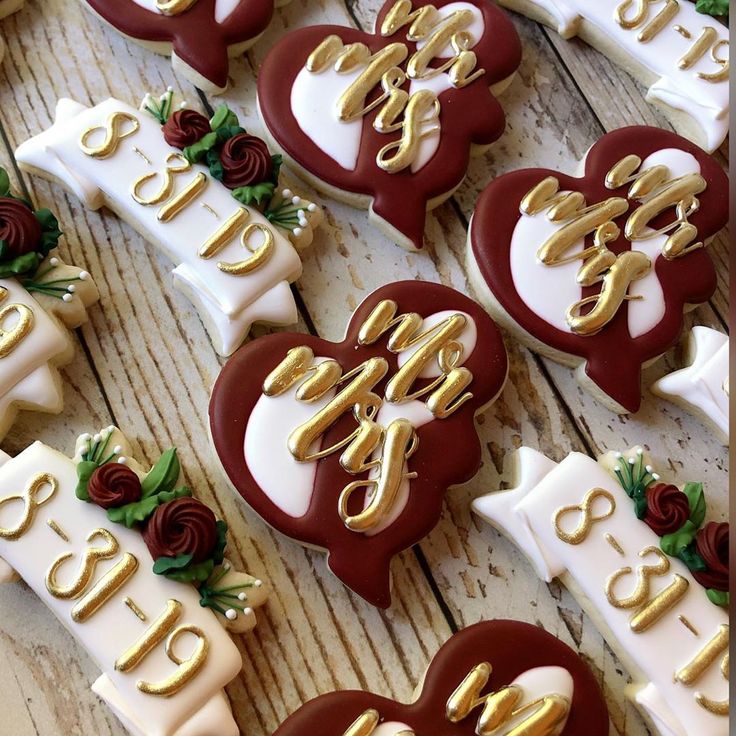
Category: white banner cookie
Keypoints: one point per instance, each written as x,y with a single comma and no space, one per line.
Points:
703,387
233,261
576,520
681,55
158,638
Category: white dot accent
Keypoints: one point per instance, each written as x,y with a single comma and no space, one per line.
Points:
68,297
83,275
122,460
117,449
258,583
242,596
312,207
231,614
54,261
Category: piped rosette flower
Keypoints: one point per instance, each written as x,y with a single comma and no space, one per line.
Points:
27,239
240,161
677,516
185,539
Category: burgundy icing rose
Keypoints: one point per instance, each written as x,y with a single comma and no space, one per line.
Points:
246,160
19,227
711,543
112,485
668,508
185,127
180,527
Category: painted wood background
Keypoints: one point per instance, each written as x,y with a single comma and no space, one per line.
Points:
145,363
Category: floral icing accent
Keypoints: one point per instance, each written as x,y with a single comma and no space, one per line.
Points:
185,539
113,485
185,127
711,543
712,7
26,235
677,517
668,508
241,161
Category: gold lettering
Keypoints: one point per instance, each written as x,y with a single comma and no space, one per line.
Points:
169,175
705,658
707,41
187,668
10,339
651,612
159,630
365,724
581,532
418,111
113,135
187,195
260,256
717,707
641,15
101,592
174,7
92,556
542,717
31,503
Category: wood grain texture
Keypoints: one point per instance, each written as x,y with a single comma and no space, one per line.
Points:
145,362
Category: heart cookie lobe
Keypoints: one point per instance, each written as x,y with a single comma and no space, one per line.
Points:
596,271
496,677
199,35
387,120
344,446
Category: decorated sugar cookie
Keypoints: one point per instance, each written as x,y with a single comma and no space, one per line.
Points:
135,568
200,35
495,678
596,271
640,558
703,387
349,447
680,54
387,121
41,298
206,192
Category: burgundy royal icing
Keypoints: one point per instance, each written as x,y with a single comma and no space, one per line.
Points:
613,358
448,451
196,37
470,115
510,647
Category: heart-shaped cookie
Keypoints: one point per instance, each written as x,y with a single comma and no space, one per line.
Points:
388,120
200,35
505,673
596,271
350,446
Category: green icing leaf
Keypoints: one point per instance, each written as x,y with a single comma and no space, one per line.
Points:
692,559
138,512
21,265
4,183
163,476
85,468
674,543
277,159
719,597
50,232
164,565
223,116
197,152
256,193
640,503
712,7
215,165
218,553
194,573
696,497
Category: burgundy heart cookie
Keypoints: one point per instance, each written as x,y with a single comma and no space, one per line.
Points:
200,34
596,271
539,685
387,120
350,446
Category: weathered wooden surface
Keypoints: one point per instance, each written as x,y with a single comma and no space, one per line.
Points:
145,362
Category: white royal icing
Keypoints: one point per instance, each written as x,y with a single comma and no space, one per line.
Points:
706,102
198,709
288,483
657,652
230,304
314,98
702,386
548,291
223,8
